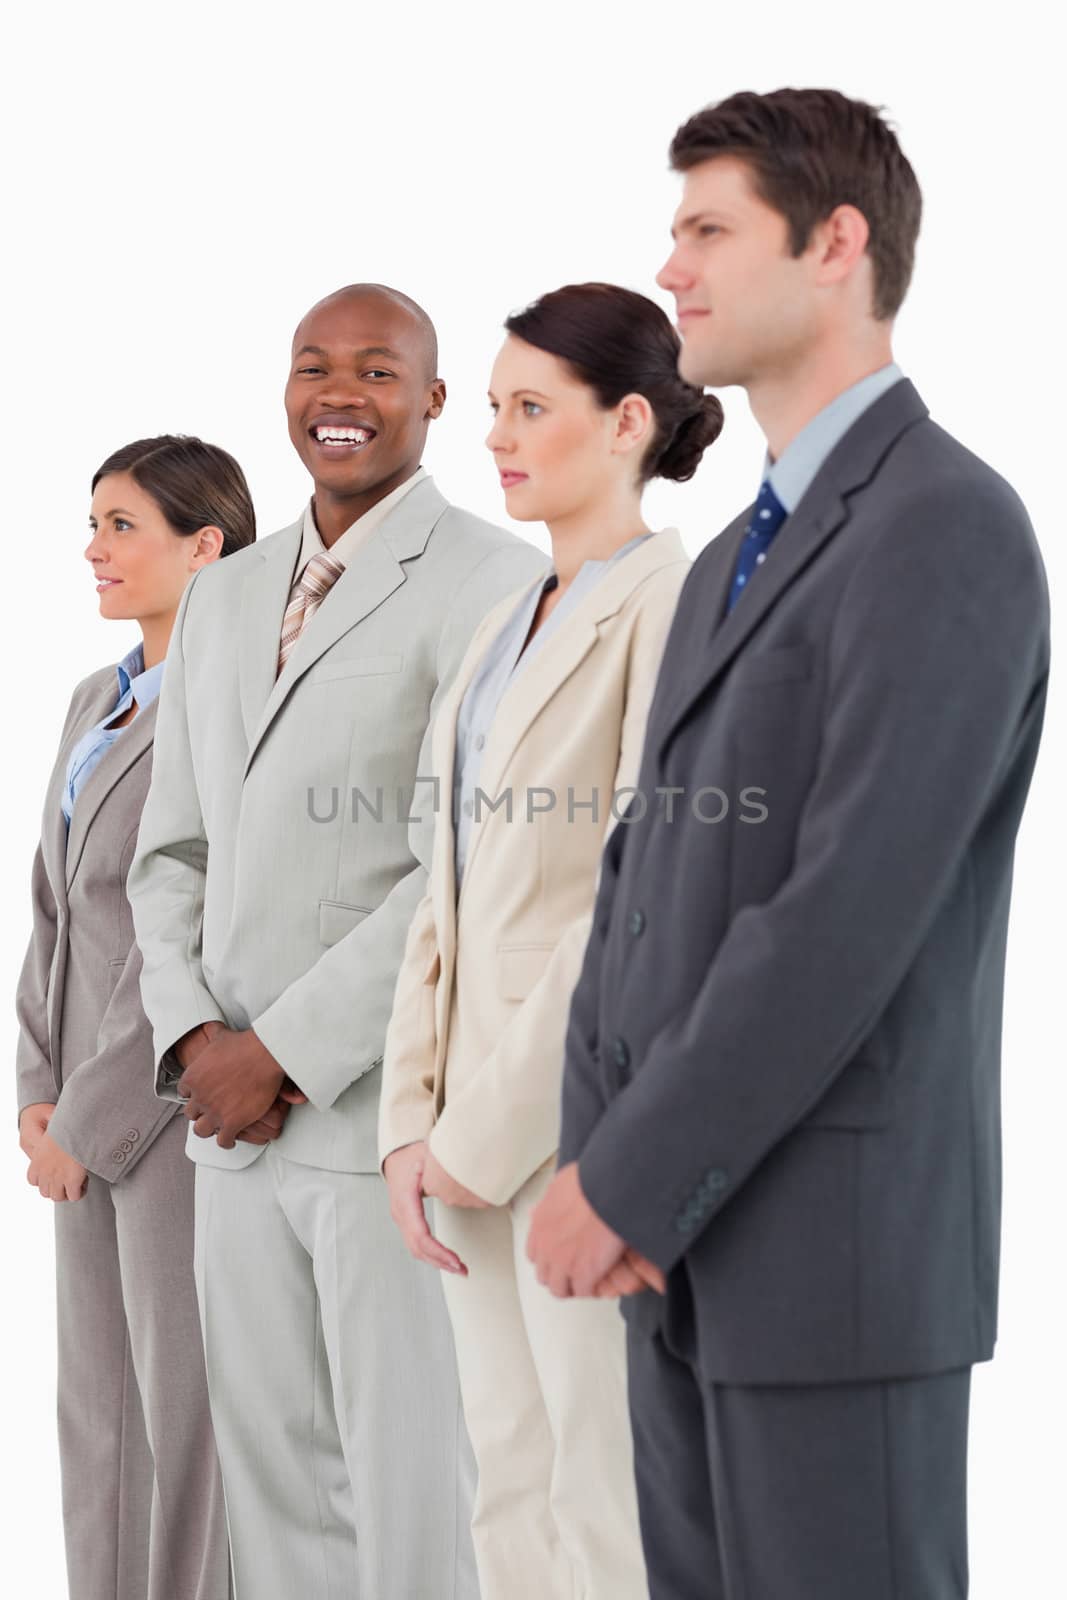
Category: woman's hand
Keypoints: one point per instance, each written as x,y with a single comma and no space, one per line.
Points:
33,1120
442,1186
403,1170
57,1175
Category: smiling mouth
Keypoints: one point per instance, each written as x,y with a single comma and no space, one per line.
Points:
332,437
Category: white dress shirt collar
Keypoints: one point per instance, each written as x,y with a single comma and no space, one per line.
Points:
344,548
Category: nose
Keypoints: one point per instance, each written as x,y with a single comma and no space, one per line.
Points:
341,393
671,275
95,550
498,438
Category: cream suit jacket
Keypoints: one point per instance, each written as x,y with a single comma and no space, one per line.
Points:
265,892
474,1048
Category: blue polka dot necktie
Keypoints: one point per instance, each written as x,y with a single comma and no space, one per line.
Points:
768,514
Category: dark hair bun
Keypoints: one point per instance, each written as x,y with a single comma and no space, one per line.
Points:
681,455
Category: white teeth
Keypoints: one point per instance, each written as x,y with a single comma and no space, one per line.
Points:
332,435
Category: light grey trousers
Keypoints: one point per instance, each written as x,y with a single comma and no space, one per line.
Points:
142,1498
332,1374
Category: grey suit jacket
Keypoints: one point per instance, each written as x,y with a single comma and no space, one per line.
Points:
782,1077
276,872
84,1040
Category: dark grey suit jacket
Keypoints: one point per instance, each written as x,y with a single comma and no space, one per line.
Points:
783,1055
84,1039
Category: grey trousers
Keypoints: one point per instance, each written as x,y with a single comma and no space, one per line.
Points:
142,1497
333,1383
852,1491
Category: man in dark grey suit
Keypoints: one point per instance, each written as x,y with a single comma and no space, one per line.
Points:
781,1104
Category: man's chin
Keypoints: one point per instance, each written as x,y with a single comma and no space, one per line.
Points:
700,368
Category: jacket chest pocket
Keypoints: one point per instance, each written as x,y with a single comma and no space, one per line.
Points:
519,967
330,669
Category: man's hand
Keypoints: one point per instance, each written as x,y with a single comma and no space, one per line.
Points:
192,1043
271,1123
403,1170
57,1175
442,1186
230,1084
33,1120
572,1249
632,1274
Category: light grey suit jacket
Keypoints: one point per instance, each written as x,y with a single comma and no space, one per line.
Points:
266,891
84,1040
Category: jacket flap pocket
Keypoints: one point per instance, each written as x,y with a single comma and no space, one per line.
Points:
336,918
859,1097
780,665
519,966
354,666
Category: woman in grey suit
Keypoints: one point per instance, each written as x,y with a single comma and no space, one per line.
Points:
142,1500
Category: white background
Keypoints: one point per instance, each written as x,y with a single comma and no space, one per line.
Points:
183,181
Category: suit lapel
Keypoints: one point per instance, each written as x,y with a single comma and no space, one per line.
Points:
443,858
822,512
373,573
264,597
54,834
115,762
526,697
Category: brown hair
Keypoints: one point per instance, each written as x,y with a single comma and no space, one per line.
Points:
194,485
619,342
810,150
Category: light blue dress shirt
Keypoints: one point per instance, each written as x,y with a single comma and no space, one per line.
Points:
134,684
791,475
498,669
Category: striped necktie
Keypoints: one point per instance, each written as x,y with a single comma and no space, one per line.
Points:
305,598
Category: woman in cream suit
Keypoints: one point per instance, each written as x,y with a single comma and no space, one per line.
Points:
142,1500
542,727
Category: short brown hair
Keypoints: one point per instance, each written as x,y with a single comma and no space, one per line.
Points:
195,485
810,150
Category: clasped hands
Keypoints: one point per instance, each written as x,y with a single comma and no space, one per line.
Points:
575,1253
55,1174
232,1085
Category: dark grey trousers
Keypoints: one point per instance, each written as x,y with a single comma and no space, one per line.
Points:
852,1491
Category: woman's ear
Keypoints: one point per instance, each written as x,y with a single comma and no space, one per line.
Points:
634,424
206,546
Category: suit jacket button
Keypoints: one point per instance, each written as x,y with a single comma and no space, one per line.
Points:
132,1135
117,1155
126,1146
620,1052
637,923
717,1180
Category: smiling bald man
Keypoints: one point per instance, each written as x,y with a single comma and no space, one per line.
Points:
275,877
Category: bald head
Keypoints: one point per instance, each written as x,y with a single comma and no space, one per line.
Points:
422,329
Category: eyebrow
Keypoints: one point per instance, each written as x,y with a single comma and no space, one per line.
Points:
369,350
117,512
515,393
693,218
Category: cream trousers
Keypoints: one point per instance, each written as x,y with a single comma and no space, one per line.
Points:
544,1395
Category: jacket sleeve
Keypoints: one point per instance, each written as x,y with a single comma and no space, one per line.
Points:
165,883
313,1026
405,1108
33,1060
108,1112
35,1079
937,660
505,1122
